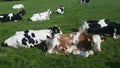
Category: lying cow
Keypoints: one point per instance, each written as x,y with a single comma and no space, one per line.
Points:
41,16
84,1
12,16
78,43
30,38
103,27
60,10
18,6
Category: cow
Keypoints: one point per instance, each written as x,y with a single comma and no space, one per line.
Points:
18,6
12,16
41,16
84,1
30,38
102,27
76,43
60,10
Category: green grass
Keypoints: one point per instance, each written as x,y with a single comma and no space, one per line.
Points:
74,16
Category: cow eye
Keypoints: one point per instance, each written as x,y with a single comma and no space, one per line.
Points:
48,36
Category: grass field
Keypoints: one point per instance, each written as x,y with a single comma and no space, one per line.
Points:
75,14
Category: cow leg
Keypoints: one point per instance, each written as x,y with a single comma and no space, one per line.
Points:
91,52
51,49
66,53
15,20
114,34
83,1
82,53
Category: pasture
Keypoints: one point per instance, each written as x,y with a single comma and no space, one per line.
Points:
75,14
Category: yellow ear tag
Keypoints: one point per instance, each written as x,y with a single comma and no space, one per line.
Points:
88,39
102,40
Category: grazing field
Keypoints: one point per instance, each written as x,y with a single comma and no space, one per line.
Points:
75,14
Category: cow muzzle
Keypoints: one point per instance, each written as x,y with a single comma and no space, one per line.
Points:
98,50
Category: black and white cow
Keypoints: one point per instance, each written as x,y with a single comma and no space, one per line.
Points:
30,38
60,10
12,16
84,1
103,27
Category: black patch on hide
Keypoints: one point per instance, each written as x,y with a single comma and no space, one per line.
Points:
33,35
24,41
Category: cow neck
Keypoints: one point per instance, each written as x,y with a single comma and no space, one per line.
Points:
75,38
88,42
83,42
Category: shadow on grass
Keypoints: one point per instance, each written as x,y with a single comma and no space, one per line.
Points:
113,64
42,46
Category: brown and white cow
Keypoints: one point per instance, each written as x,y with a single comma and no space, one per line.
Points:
77,43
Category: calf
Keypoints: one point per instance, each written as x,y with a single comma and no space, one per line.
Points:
103,27
60,10
84,1
78,43
18,6
30,38
41,16
12,16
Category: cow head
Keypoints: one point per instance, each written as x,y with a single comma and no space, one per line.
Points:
49,11
96,42
54,31
60,10
21,12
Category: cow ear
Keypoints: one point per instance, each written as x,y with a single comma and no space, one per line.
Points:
88,39
103,39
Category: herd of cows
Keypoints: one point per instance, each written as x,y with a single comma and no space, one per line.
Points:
76,43
35,17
